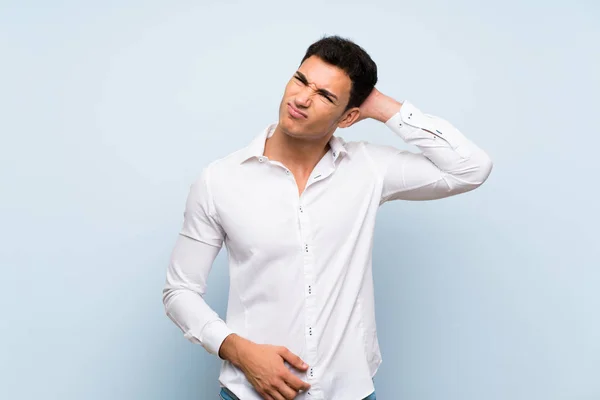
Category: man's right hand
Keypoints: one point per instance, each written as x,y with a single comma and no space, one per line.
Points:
264,367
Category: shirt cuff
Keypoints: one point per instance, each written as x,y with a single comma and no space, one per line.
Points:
415,127
409,122
213,335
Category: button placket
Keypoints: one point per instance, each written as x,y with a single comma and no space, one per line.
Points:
310,304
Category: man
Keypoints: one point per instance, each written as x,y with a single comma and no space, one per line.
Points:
296,210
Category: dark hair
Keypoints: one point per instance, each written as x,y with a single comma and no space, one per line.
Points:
352,59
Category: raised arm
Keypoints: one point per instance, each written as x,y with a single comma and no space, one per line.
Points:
448,163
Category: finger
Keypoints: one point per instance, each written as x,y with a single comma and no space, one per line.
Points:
274,393
295,383
287,392
293,359
265,395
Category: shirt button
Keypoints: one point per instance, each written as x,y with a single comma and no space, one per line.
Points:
261,159
287,171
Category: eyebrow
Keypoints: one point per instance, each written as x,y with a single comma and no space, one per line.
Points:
323,91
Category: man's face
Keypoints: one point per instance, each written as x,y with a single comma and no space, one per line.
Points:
314,100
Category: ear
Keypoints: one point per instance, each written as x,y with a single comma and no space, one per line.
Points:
349,117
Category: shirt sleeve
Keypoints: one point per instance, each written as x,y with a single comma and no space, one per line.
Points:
448,163
197,246
200,221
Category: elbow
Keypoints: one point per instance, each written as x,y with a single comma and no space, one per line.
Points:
169,293
485,166
476,174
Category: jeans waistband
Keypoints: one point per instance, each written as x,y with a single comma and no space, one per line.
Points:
227,394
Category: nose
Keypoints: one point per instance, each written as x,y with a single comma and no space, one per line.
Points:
304,97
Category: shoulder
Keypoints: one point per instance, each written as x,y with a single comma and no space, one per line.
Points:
376,157
368,149
208,174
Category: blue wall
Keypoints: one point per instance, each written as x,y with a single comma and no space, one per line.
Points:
109,110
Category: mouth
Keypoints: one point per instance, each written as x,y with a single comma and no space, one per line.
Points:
295,113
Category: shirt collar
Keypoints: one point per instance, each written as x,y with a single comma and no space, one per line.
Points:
256,148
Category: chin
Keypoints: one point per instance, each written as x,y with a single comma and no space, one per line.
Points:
292,131
289,126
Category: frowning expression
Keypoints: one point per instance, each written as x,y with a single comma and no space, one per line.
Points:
315,99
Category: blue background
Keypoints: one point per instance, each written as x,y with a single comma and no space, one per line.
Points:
109,110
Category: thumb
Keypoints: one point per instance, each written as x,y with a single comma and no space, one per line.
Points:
292,359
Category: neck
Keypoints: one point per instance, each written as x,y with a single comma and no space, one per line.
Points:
297,154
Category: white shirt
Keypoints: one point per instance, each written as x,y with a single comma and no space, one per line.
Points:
300,266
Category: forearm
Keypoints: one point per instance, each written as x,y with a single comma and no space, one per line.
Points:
183,292
442,143
437,139
448,163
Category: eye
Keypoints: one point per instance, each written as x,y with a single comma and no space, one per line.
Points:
326,97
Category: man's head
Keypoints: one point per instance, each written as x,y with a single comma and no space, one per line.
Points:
334,78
